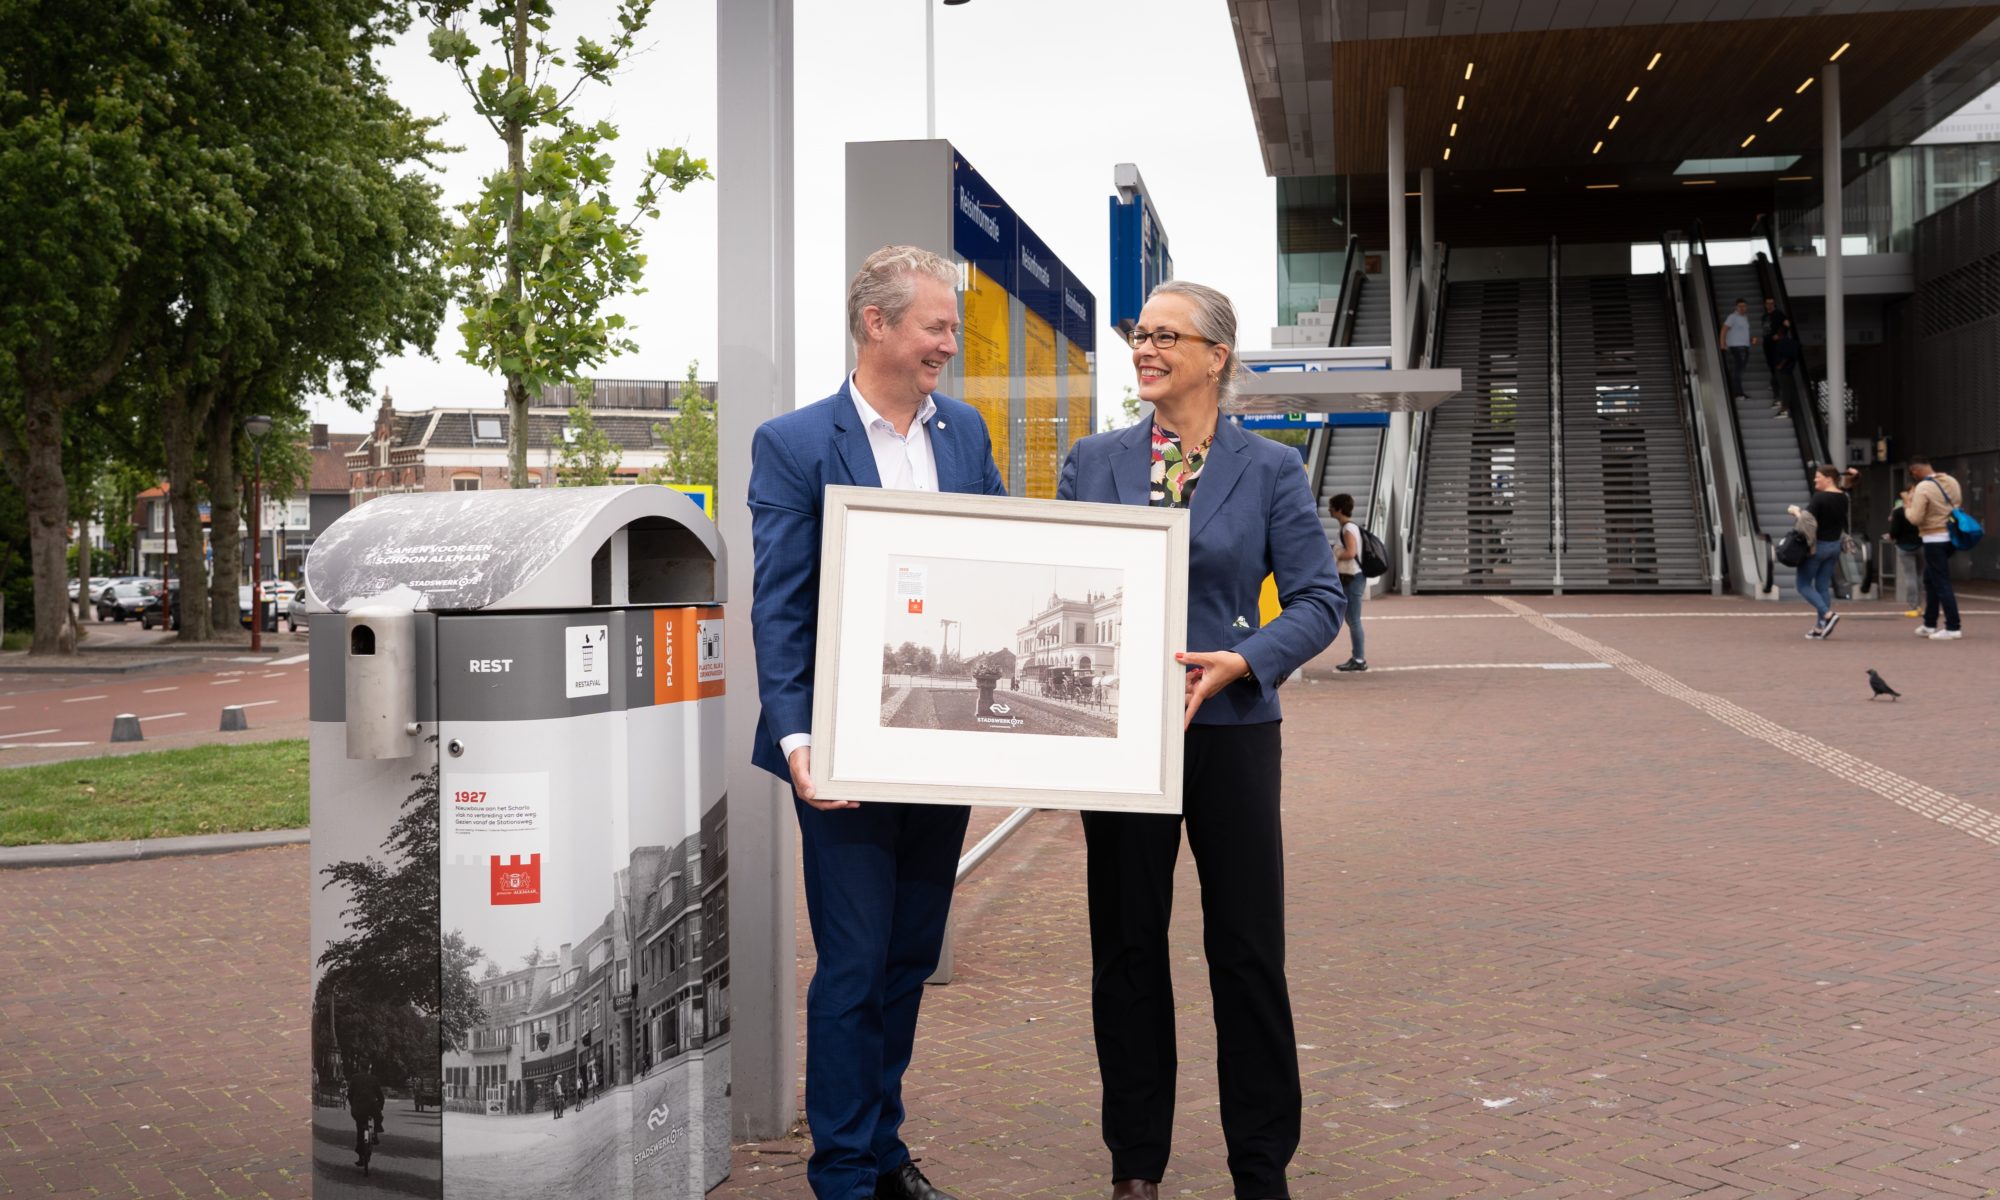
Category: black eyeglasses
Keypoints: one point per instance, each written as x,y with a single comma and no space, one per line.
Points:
1163,338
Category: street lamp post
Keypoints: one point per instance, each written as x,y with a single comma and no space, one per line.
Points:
257,427
930,64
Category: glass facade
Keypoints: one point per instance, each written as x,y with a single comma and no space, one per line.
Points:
1313,229
1886,194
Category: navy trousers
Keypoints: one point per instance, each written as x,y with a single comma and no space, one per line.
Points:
878,890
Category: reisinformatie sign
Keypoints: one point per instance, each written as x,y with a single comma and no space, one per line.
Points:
1028,349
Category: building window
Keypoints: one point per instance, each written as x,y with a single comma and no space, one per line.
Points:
465,483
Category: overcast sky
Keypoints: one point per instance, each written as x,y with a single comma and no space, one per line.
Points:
1042,96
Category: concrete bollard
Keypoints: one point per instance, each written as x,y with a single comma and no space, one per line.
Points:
233,720
125,728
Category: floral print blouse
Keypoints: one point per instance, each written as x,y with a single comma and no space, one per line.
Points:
1175,470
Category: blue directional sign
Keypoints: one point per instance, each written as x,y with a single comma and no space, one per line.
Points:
1139,258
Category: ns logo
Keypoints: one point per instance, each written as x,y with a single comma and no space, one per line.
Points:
999,708
658,1117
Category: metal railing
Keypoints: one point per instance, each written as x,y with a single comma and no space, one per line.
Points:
1342,333
969,862
1558,535
1693,422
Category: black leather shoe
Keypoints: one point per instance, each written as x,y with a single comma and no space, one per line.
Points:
908,1183
1135,1189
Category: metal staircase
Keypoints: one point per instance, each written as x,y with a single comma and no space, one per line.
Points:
1345,458
1486,521
1632,512
1371,313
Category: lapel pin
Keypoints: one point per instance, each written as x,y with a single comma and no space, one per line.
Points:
940,424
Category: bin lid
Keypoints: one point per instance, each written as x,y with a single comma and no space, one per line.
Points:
514,549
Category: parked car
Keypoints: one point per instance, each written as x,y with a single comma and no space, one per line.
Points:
283,591
124,598
97,585
163,612
243,610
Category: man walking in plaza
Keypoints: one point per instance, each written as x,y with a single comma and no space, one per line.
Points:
878,878
1735,341
1932,497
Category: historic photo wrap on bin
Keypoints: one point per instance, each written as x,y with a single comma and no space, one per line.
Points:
543,894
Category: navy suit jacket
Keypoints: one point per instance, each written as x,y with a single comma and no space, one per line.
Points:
793,460
1252,516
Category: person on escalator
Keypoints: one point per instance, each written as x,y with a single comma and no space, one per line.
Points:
1776,323
1784,351
1735,341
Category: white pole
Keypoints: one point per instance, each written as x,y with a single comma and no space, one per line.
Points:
1427,218
930,70
754,315
1399,247
1836,293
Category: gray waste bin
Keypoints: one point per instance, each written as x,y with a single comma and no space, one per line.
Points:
520,954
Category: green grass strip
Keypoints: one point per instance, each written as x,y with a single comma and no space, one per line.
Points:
167,793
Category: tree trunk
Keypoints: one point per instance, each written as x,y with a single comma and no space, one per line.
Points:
35,466
517,390
225,513
178,432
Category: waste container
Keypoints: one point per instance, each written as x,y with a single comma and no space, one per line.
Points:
519,845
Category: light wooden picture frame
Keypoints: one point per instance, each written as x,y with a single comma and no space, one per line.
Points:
999,651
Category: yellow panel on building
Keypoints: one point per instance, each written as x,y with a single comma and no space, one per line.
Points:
984,341
1041,439
1082,397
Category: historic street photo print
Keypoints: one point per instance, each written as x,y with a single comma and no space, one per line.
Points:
1001,647
998,650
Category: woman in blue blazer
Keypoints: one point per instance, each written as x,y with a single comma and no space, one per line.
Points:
1252,516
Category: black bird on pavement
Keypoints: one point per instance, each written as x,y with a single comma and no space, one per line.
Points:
1881,688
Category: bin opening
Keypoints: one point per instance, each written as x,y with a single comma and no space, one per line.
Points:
665,561
361,640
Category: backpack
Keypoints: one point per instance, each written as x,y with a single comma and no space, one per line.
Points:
1793,549
1374,557
1964,528
1902,532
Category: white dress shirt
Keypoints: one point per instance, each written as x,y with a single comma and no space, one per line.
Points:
904,461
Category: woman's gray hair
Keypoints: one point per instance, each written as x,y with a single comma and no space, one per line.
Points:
1214,319
887,280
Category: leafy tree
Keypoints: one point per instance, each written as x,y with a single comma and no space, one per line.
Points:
539,253
588,458
688,439
907,656
1128,410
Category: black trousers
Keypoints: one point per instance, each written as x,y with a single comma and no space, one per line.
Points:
1230,806
1938,592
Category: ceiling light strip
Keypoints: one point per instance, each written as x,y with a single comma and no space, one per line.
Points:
1835,56
1655,62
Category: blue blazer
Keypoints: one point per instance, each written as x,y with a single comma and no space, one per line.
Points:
1252,516
793,460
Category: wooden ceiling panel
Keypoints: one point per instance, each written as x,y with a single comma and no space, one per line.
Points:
1538,100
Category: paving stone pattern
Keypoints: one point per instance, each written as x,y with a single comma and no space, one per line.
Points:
1553,933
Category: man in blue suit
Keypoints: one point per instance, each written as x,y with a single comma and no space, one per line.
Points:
878,879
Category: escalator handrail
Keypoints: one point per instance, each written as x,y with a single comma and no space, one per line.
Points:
1558,535
1342,333
1414,470
1693,423
1698,243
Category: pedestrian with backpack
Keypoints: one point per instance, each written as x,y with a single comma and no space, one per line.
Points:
1934,501
1347,560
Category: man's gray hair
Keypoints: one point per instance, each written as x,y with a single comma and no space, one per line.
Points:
1214,319
888,280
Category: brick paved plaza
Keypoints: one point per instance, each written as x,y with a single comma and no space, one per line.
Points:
1660,905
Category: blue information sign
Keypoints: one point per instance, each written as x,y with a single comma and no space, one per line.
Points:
1139,258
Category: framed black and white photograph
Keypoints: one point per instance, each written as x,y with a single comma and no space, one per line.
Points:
993,650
